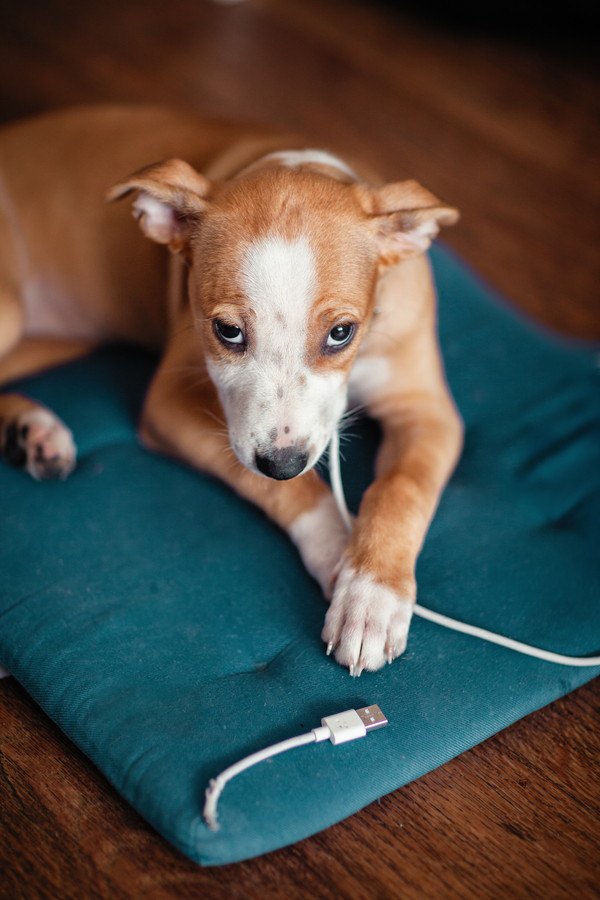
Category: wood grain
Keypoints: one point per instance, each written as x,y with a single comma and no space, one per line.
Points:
506,130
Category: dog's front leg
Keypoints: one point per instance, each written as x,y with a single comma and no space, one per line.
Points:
368,620
185,420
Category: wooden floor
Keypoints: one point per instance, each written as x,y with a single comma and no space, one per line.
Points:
504,129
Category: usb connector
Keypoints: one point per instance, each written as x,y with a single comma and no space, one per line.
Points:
349,725
372,717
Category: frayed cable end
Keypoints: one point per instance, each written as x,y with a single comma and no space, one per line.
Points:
211,799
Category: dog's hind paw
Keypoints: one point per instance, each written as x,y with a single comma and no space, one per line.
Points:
38,442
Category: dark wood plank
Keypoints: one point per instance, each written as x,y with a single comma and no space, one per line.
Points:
505,129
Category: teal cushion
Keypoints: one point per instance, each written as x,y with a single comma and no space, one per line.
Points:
170,629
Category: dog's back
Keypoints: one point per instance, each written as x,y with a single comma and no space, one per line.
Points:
79,266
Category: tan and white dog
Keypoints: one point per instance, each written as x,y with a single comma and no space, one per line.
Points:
296,285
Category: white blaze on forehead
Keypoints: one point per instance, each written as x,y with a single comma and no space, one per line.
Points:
272,397
280,276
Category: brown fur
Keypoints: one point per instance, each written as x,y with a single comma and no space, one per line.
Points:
75,269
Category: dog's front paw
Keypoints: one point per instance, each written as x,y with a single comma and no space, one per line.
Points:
367,622
40,443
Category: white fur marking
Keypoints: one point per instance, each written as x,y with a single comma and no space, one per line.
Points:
271,397
280,275
369,377
321,538
293,159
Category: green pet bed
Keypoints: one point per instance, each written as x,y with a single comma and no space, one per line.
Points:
170,629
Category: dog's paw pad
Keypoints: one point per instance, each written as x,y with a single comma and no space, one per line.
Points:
40,443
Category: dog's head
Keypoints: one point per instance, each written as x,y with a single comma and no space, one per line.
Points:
283,264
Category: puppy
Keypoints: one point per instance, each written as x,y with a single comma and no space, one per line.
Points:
297,285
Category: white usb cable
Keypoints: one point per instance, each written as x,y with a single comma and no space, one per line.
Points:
339,728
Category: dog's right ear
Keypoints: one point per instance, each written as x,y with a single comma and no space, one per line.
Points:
170,199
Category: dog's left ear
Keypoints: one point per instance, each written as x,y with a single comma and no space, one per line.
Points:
170,199
404,217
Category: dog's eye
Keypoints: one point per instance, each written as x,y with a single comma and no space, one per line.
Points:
229,334
339,336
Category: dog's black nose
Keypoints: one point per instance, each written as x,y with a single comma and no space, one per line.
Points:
281,464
